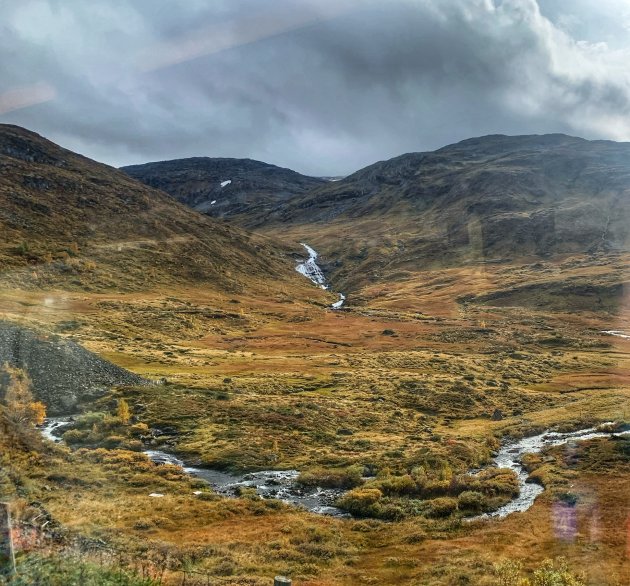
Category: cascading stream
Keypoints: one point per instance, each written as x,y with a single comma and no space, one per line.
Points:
311,270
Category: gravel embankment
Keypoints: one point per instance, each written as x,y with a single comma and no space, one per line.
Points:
64,374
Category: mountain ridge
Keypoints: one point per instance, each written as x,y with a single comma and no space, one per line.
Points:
221,187
494,197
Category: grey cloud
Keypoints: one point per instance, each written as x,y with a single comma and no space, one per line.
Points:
315,85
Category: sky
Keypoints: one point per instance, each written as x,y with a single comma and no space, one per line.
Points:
324,87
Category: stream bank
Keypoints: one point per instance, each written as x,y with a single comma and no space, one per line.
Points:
283,485
278,484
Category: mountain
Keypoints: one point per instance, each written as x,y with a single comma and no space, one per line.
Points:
239,189
489,199
67,220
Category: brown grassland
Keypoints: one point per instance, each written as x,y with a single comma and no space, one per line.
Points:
402,383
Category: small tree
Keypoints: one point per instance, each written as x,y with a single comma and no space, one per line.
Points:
38,409
123,411
22,409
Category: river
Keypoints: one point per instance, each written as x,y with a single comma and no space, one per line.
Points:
510,456
283,485
278,484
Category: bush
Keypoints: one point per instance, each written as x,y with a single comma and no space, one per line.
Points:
361,502
550,574
346,478
471,500
89,420
499,481
398,486
75,436
464,483
510,573
113,441
392,512
442,506
139,429
58,571
132,445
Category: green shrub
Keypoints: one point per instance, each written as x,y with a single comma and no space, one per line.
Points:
510,573
471,500
361,502
499,481
139,429
75,436
442,506
556,574
397,485
132,445
392,512
89,420
63,571
346,478
113,441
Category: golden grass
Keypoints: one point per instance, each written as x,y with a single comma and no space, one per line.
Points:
261,382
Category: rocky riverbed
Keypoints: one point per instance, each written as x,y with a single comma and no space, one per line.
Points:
283,485
278,484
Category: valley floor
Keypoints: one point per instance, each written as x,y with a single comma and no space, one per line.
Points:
416,380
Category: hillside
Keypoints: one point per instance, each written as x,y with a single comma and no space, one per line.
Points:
489,199
67,220
239,189
492,199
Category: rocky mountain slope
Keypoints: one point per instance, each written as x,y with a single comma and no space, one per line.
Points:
239,189
70,221
488,199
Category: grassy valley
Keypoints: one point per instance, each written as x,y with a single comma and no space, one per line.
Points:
397,400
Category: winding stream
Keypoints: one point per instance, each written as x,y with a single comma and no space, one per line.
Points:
510,456
311,270
278,484
282,484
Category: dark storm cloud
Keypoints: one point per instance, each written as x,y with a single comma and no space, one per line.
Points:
322,86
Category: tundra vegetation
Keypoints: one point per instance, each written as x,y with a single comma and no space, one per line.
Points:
398,423
399,401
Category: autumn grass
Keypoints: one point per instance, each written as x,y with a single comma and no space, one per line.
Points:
399,418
